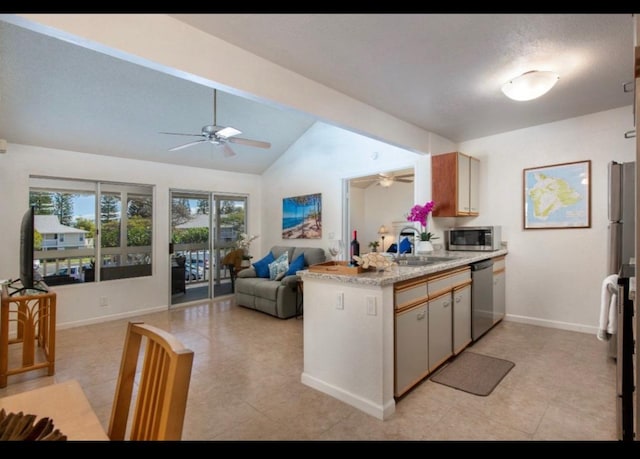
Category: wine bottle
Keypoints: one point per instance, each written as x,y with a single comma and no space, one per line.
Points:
355,248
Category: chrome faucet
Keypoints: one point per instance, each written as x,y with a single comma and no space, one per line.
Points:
412,228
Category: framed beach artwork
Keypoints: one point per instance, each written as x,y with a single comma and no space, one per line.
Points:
557,196
302,217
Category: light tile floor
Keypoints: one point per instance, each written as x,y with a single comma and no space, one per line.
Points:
246,383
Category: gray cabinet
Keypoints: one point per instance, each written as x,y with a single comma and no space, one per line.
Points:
411,335
461,318
440,330
424,323
499,287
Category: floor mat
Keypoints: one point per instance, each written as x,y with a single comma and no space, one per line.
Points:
474,373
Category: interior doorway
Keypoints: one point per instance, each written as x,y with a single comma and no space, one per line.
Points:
204,227
373,204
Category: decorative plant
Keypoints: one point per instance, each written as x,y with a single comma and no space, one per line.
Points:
420,214
244,241
373,245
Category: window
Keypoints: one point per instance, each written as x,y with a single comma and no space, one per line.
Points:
78,222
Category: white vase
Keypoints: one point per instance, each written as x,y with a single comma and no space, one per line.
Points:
423,247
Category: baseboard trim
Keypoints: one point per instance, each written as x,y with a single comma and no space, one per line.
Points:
376,410
110,317
551,324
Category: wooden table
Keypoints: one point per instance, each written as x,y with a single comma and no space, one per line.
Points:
65,404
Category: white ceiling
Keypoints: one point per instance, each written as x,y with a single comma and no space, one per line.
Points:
441,72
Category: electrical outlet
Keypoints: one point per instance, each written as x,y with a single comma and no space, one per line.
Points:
104,301
340,300
371,306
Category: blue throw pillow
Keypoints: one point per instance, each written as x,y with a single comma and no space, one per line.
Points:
296,265
262,266
405,245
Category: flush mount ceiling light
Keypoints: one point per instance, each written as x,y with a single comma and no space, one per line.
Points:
530,84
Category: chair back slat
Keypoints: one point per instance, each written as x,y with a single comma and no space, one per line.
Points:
162,390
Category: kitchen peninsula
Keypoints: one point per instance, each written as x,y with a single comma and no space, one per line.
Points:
349,330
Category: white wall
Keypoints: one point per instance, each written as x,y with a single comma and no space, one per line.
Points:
554,275
317,163
79,304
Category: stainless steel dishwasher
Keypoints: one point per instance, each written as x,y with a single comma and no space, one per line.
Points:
481,297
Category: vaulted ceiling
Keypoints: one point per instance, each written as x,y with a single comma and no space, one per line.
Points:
441,72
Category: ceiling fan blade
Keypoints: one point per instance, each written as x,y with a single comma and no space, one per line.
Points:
180,133
228,132
227,151
180,147
251,143
404,176
403,180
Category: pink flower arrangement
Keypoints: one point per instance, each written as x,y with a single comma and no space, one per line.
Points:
420,213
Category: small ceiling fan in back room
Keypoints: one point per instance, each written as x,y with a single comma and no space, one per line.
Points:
219,136
386,180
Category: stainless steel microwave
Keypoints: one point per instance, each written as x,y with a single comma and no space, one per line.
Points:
480,238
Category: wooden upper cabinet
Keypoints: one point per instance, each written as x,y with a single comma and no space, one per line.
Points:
454,184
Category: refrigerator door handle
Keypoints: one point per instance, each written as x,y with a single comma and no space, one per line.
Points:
615,192
615,244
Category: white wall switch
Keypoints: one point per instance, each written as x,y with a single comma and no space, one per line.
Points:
371,306
104,301
340,300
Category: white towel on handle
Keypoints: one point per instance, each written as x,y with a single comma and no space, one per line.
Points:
608,308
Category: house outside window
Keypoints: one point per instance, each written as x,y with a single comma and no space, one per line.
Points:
82,228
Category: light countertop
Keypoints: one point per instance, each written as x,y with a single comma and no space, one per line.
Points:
399,273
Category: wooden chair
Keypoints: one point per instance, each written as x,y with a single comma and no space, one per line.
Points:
163,386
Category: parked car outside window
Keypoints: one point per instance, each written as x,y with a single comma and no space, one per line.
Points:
193,272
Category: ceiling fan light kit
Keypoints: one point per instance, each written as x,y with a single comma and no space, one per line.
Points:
385,182
530,85
219,135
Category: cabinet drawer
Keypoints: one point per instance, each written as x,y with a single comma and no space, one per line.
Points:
410,293
439,284
499,264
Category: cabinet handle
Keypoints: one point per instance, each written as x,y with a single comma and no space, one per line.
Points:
420,315
458,299
445,304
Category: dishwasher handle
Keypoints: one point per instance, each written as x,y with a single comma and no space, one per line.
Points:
482,264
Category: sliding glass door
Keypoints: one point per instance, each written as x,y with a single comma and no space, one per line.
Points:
204,228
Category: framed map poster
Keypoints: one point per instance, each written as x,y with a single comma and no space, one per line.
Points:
558,196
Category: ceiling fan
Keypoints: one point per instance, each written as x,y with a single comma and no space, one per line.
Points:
386,180
219,135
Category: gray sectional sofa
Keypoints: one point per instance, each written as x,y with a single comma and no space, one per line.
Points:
275,297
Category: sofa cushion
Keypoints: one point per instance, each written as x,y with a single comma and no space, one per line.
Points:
296,265
279,265
312,255
278,250
262,266
266,289
248,272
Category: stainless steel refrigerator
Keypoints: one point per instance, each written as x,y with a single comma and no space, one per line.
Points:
622,203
